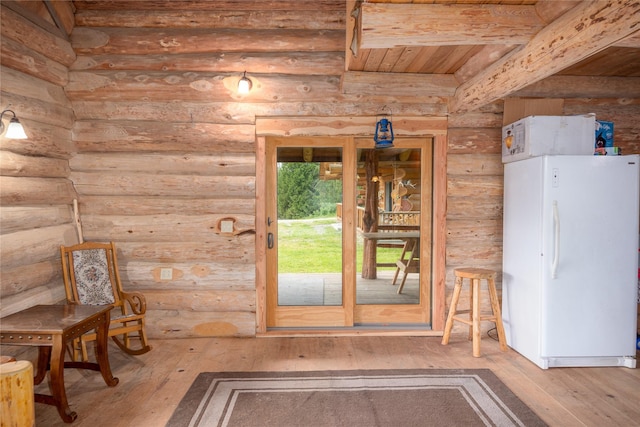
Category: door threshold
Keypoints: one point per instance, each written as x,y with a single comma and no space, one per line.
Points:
363,330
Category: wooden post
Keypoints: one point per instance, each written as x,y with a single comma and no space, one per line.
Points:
16,391
370,220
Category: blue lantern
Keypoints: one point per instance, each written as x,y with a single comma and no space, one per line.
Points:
384,134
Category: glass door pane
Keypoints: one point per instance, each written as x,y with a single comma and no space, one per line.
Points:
388,223
309,227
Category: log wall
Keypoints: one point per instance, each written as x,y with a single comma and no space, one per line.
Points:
36,193
142,124
166,145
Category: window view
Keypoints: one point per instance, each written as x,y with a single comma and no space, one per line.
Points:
388,225
309,182
309,227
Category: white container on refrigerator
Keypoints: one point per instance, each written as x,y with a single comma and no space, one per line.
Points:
548,135
570,238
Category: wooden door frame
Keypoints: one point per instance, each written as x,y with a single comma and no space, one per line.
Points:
338,316
435,127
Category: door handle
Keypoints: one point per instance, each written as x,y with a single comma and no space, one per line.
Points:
269,240
556,241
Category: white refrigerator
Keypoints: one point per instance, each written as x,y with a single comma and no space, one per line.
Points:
570,259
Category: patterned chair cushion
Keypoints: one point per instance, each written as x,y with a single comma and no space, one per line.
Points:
92,277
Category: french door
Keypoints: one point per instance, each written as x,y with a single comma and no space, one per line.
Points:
348,226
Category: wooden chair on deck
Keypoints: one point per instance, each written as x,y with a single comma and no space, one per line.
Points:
90,274
409,261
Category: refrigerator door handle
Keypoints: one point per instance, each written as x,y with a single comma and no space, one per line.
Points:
556,240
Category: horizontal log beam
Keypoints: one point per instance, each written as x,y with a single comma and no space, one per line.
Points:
330,63
234,273
204,5
14,26
245,113
144,41
50,293
201,300
140,136
21,84
31,276
114,205
223,164
474,140
19,218
17,56
474,186
13,164
191,86
44,140
170,324
119,184
35,245
580,86
213,18
398,84
21,191
349,126
388,25
586,29
197,251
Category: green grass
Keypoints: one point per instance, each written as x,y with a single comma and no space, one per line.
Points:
315,246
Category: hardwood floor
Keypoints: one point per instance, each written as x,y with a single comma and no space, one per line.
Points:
152,385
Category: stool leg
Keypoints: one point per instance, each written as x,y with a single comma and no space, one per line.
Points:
495,306
470,336
475,284
452,310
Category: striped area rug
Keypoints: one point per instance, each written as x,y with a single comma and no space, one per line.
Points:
426,397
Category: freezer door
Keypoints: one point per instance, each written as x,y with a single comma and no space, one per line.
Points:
590,245
522,249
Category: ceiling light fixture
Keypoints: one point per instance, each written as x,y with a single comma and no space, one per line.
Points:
244,84
15,129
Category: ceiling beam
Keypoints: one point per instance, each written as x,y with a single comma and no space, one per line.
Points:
613,87
586,29
398,84
388,25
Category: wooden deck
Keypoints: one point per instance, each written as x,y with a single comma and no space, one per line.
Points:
152,385
326,289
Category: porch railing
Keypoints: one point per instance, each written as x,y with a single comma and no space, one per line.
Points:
386,218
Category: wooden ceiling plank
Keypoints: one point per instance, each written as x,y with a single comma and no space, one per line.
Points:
56,19
584,30
35,19
391,58
394,25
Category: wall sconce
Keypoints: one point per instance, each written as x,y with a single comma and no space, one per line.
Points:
15,129
244,84
384,133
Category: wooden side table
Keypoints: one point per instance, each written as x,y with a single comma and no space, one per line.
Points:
50,327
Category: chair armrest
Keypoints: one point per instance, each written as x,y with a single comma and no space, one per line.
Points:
136,301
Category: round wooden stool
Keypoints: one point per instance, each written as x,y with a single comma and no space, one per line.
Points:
17,400
475,275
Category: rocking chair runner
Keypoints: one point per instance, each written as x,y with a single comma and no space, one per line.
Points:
91,276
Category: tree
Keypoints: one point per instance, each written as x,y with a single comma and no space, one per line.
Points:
297,191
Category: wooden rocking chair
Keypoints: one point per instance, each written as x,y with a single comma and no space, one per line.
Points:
91,277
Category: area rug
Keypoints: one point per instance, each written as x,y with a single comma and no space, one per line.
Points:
425,397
